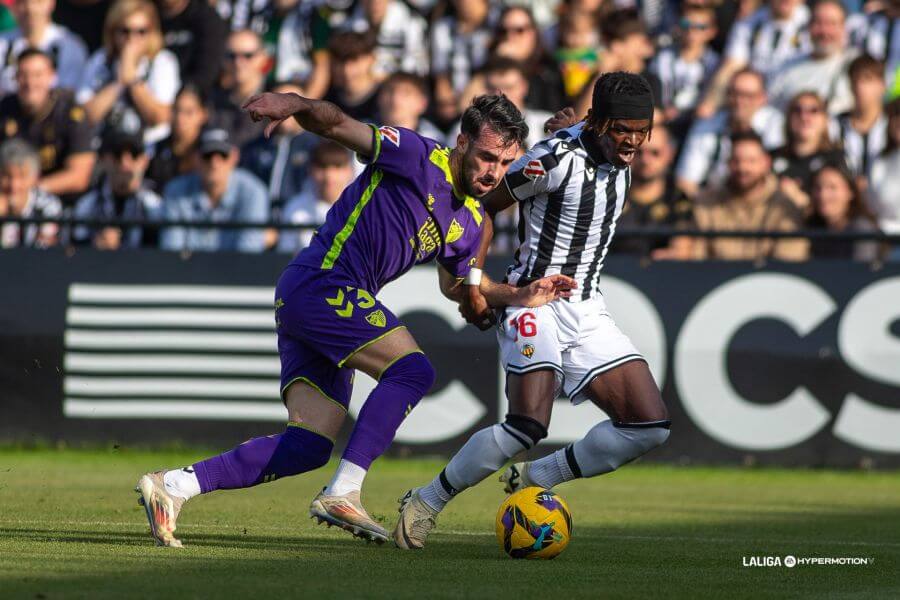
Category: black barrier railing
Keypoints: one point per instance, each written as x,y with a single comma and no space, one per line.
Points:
624,232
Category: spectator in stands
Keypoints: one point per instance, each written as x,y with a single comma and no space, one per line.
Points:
707,147
653,200
219,192
510,78
807,149
243,76
824,68
120,194
21,196
763,41
517,37
263,17
177,154
353,83
131,82
330,172
402,102
863,130
880,39
281,161
459,47
303,58
196,34
83,18
685,67
400,36
579,48
628,48
749,201
838,206
884,184
36,29
49,120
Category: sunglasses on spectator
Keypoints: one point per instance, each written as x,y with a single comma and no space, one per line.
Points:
233,56
129,31
688,24
806,110
514,30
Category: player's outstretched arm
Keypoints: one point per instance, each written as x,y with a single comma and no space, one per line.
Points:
318,116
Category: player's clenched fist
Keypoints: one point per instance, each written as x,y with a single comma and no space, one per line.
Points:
563,119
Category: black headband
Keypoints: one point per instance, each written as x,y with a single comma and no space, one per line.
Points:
623,106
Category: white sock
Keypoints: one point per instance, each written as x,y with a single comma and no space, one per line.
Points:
604,449
483,454
550,470
182,483
348,478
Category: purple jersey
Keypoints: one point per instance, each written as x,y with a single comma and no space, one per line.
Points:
403,210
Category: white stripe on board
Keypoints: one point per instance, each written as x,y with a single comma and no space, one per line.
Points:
173,317
181,409
172,363
171,294
169,340
172,386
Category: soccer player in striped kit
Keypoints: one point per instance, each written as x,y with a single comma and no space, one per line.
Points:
414,203
570,191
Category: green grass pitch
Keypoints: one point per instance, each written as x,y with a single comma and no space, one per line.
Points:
70,527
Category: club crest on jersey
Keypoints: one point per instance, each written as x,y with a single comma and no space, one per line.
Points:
527,350
454,232
390,134
534,169
376,318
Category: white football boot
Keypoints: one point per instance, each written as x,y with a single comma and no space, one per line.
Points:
417,519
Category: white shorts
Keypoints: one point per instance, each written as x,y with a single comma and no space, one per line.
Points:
578,340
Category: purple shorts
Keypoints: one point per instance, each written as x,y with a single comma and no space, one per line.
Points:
322,319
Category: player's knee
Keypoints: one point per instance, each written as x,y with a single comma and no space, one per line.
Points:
642,437
414,371
528,429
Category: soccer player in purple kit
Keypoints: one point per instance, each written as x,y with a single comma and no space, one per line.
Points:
414,203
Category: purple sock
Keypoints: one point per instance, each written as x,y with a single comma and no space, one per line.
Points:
399,389
264,459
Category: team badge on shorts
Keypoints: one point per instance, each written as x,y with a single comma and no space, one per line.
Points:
390,134
527,350
376,318
534,169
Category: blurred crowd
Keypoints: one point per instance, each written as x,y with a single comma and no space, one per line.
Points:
772,115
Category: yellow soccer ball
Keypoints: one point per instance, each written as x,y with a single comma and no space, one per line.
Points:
534,523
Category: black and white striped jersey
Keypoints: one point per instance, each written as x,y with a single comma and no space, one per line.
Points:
569,202
861,149
764,43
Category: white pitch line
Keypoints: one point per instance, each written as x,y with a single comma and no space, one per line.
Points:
649,538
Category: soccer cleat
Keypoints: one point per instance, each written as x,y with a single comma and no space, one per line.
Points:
417,519
162,508
516,478
347,512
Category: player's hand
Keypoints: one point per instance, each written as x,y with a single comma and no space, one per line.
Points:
547,289
561,120
475,309
273,106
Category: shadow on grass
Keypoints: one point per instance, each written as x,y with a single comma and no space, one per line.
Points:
696,559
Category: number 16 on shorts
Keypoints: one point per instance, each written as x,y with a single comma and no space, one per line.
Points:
520,338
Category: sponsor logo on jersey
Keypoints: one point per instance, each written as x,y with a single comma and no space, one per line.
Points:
454,232
527,350
534,169
376,318
390,134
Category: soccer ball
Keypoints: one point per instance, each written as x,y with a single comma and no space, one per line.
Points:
534,523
